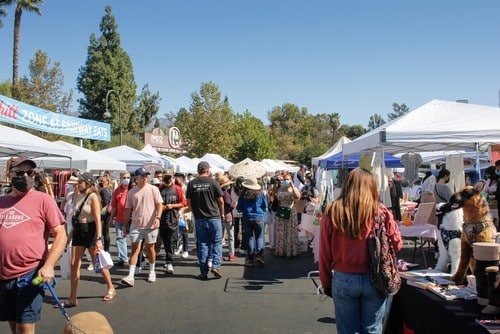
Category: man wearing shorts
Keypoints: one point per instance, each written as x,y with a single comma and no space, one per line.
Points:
27,218
143,210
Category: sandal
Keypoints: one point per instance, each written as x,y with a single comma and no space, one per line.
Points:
66,304
110,296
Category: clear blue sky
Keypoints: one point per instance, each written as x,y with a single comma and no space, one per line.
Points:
351,57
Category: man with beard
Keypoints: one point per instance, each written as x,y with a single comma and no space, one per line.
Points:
27,218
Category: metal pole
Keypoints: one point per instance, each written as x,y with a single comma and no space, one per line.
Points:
119,111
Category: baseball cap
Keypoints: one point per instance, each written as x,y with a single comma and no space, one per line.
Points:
86,177
203,165
141,172
19,160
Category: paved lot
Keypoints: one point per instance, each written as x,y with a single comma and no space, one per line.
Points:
273,298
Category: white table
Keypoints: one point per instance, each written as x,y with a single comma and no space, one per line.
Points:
427,231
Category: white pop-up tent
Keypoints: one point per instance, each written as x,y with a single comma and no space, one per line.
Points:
14,142
82,159
436,126
216,160
167,162
336,148
132,157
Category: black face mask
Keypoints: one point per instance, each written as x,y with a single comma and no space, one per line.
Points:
22,183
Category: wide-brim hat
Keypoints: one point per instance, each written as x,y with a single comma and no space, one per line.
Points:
251,183
72,180
87,177
224,181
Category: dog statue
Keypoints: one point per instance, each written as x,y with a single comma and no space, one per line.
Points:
478,227
449,238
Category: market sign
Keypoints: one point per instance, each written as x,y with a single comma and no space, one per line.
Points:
22,114
170,143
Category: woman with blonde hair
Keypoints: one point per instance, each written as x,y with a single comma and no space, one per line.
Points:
345,227
87,234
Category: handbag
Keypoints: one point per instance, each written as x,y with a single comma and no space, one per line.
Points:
384,272
105,260
65,263
283,212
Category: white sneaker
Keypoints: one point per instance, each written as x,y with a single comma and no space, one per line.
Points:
185,255
152,277
90,267
209,263
170,268
127,280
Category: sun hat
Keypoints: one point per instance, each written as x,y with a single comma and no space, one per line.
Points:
72,180
224,181
251,183
87,177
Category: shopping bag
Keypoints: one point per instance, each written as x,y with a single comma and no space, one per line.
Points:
65,263
105,260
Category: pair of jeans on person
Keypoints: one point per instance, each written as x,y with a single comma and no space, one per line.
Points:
121,243
229,227
254,230
209,242
359,306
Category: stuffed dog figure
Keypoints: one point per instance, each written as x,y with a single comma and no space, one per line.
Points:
478,227
449,238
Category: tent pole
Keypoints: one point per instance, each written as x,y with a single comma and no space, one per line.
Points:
478,166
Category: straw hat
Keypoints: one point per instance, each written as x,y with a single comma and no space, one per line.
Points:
224,181
251,183
72,180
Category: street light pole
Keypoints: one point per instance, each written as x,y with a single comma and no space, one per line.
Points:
119,111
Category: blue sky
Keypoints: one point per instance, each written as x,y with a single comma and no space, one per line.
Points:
351,57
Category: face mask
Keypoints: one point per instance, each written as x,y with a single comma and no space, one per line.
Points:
497,172
22,183
125,182
286,183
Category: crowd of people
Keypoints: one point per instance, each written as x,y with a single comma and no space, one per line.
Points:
147,211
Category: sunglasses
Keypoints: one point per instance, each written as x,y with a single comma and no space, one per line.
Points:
22,172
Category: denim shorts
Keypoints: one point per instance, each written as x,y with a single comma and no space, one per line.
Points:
84,234
20,301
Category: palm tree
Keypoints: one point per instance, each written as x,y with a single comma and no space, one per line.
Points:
30,6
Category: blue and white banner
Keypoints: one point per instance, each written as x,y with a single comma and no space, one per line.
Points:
22,114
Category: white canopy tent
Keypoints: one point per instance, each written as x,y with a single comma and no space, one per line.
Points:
336,148
14,142
216,160
185,165
132,157
82,159
167,162
436,126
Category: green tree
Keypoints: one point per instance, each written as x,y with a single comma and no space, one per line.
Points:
375,121
208,126
148,107
43,87
252,139
6,88
108,67
288,130
21,5
398,110
352,131
3,13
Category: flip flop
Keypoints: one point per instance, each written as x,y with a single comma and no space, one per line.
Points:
110,296
66,304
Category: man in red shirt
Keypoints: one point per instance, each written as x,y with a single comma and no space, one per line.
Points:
117,212
27,218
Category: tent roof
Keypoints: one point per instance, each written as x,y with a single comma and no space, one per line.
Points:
336,148
339,160
166,161
15,142
216,160
436,126
82,159
132,157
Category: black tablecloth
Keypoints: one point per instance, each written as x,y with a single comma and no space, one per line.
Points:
425,312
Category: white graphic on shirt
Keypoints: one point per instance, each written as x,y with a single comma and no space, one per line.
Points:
12,217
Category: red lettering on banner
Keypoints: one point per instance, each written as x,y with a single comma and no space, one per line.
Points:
8,110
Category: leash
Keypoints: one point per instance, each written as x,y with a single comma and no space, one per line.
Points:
48,286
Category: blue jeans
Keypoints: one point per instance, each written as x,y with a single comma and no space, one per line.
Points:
254,231
121,243
209,240
359,306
